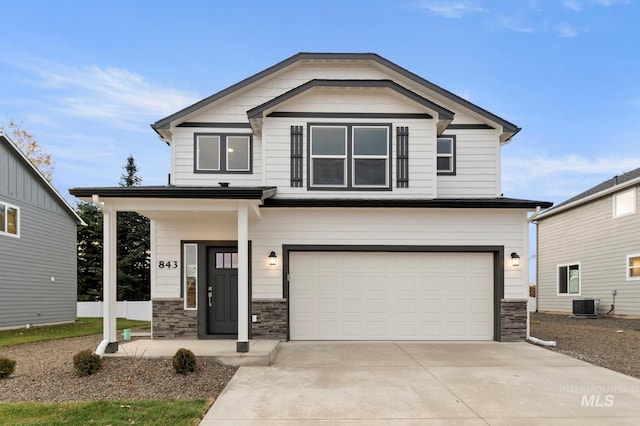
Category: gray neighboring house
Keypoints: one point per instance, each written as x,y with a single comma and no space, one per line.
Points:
38,249
589,248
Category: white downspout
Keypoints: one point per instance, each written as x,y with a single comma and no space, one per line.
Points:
109,270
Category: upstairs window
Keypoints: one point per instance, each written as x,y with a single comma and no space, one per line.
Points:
9,218
446,155
633,267
569,279
349,157
222,153
624,203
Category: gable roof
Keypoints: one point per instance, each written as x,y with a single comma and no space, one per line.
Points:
609,186
39,176
510,129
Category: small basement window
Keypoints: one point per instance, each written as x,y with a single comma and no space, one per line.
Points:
9,220
633,267
569,279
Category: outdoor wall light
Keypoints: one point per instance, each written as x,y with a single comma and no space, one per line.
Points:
272,258
515,259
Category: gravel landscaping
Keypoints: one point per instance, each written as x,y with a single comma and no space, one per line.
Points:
44,372
609,342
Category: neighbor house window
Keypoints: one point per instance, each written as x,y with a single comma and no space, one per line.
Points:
9,219
190,278
446,155
624,203
633,267
349,156
222,153
569,279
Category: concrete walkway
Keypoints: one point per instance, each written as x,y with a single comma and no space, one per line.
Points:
261,352
397,383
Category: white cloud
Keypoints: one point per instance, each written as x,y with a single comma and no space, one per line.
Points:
574,5
565,30
451,9
541,176
517,24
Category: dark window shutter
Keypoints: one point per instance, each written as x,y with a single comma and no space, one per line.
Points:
402,157
296,156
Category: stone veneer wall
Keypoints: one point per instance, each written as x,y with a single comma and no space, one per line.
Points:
272,319
171,320
513,320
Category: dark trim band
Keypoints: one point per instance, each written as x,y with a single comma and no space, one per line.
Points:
215,125
469,127
492,203
372,115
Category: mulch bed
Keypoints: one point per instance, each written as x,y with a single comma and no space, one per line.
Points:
610,342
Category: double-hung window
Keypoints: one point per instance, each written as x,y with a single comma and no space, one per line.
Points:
624,203
9,220
349,156
222,153
569,279
446,155
633,267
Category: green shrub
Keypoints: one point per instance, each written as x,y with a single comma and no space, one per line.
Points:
184,361
7,367
86,362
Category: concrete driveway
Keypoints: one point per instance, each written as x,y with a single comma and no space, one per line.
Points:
405,383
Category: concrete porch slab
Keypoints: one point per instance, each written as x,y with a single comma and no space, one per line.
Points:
261,352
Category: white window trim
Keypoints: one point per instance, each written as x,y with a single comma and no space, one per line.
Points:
452,169
184,275
198,140
344,158
8,234
631,191
355,157
628,268
226,148
567,294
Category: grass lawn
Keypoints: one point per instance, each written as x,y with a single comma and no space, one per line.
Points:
170,413
82,327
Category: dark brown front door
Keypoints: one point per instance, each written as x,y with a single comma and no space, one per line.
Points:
222,291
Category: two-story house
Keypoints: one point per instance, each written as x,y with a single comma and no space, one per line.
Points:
589,248
38,245
332,196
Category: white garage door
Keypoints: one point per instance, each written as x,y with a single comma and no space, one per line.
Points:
391,296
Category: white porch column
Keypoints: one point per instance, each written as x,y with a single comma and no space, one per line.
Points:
243,279
109,343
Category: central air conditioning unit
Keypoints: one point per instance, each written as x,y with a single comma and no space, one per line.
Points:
586,308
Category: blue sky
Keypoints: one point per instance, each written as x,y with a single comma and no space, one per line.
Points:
88,77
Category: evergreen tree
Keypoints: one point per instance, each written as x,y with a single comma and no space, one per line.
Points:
133,246
89,253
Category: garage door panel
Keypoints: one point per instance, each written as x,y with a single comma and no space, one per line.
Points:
391,296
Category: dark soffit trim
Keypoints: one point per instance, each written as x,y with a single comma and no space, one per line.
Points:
388,115
443,113
469,127
195,192
165,122
469,203
215,125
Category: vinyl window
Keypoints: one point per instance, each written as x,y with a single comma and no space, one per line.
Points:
633,267
349,156
222,153
9,220
190,277
446,155
624,203
569,279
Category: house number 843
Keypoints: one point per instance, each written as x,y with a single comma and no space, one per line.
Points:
167,264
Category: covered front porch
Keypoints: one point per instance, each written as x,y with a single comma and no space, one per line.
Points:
221,214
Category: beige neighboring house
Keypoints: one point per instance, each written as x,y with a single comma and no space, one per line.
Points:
332,196
589,248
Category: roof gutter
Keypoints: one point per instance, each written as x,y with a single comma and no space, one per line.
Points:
615,188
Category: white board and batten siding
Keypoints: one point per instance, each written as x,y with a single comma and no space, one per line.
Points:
591,236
